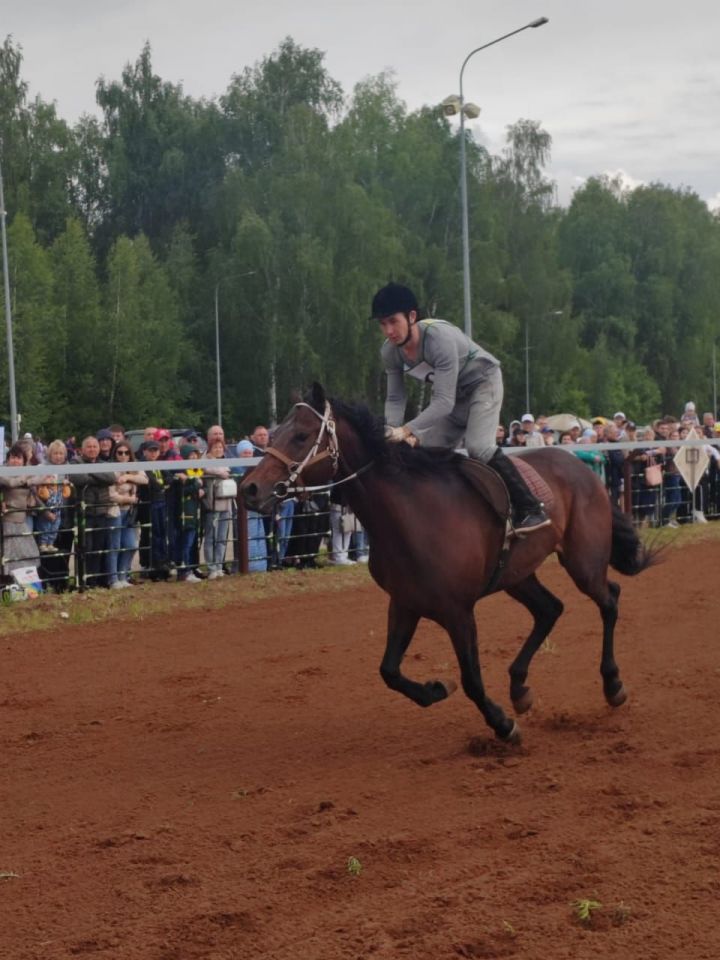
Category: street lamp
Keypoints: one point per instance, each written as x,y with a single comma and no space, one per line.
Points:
8,317
237,276
451,106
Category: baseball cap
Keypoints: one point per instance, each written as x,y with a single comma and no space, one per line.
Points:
528,418
190,434
619,416
151,445
27,436
103,434
163,435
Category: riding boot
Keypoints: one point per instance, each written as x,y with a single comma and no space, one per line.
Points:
528,512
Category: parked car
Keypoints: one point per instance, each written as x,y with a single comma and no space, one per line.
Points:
135,438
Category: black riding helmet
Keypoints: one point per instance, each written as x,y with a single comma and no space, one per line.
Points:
393,298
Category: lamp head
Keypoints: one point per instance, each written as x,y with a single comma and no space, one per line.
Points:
450,105
471,111
540,22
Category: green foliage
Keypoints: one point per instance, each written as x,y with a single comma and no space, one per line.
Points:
288,205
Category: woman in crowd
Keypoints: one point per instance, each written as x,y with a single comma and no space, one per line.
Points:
645,493
125,537
18,544
217,511
257,543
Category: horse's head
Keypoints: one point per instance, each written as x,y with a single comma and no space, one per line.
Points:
303,452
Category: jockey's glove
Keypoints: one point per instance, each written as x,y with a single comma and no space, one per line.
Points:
400,434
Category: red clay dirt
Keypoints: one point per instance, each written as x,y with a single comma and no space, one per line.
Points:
195,787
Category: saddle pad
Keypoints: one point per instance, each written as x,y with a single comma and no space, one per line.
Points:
534,481
488,484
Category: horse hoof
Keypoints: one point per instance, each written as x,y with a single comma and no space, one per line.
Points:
514,737
618,698
523,702
449,686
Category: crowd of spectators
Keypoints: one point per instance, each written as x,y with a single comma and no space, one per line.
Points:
658,495
145,520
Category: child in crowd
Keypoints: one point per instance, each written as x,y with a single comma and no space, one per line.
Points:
189,494
53,496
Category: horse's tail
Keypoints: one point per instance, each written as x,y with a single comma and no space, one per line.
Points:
628,554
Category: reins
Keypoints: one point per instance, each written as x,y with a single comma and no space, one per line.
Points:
293,485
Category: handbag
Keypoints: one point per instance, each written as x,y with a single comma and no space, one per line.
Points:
653,475
348,523
226,488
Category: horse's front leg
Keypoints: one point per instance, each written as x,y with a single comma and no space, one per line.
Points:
401,629
463,633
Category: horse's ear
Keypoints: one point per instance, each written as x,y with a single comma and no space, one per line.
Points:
317,397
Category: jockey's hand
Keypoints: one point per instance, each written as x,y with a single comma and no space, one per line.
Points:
400,434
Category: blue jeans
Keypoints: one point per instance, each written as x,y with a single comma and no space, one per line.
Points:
185,540
112,546
158,540
127,545
257,544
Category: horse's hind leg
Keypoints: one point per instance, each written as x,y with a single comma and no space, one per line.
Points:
463,633
605,593
545,609
401,629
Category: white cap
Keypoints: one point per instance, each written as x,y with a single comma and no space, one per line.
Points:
689,405
619,414
528,418
27,436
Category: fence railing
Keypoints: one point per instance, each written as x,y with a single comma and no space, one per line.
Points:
77,545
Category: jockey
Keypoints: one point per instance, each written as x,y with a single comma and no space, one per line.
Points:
467,393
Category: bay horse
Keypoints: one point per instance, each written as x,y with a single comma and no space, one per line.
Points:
435,543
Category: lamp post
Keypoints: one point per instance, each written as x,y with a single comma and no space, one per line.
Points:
8,316
217,337
452,105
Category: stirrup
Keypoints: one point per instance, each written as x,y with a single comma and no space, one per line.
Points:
531,522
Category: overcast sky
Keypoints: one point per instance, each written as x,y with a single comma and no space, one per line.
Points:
621,85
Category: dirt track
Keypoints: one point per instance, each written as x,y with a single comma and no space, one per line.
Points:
195,788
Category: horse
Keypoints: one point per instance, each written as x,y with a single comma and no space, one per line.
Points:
435,543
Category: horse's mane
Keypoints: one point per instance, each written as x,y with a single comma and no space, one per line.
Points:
391,456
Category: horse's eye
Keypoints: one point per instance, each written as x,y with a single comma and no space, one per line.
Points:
300,437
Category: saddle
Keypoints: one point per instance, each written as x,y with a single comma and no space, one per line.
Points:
488,484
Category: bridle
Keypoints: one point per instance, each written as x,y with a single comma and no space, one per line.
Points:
294,485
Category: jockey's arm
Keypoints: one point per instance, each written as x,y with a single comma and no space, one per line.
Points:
395,398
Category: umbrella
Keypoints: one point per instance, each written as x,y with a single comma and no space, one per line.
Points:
564,421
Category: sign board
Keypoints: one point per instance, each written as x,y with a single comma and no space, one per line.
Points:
28,579
691,462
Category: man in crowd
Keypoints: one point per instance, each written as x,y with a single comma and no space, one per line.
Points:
533,436
259,438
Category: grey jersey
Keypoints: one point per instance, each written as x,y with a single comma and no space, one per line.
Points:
448,359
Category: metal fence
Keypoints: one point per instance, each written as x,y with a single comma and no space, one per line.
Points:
76,546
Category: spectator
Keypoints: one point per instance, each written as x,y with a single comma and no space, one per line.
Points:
148,434
157,563
100,514
500,435
214,433
548,435
672,484
519,437
645,495
260,438
257,544
566,438
117,432
52,496
620,420
217,512
188,484
125,538
614,465
18,547
533,437
593,458
55,567
107,445
690,415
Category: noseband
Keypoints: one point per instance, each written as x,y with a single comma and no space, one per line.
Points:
285,488
294,485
